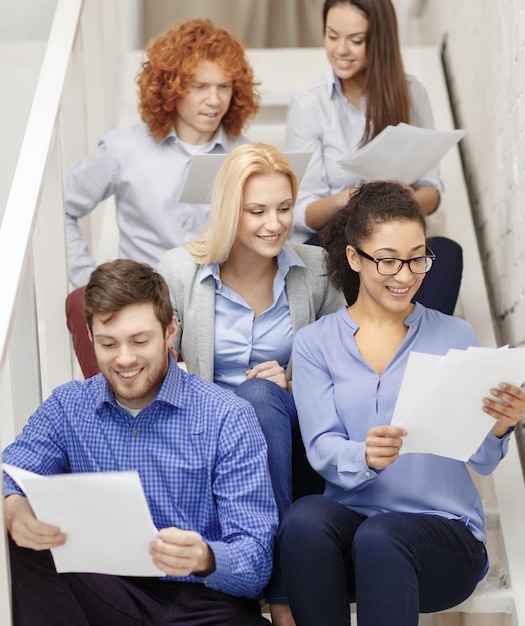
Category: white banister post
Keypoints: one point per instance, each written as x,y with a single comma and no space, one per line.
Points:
6,434
49,249
18,319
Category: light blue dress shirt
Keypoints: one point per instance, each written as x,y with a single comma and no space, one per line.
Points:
339,397
242,341
146,177
200,454
321,120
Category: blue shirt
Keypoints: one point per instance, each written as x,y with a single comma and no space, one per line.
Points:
201,457
146,178
242,341
321,120
339,397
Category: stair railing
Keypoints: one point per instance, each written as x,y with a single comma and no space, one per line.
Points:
72,106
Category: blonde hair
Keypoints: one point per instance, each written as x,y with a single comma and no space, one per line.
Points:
255,159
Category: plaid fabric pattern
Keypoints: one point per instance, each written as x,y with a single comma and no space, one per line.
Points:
201,457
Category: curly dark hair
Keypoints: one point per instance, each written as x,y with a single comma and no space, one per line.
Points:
170,64
372,204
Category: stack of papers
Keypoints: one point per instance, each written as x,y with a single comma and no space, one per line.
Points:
403,153
204,167
105,516
440,400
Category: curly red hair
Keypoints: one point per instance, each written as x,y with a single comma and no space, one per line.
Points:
170,64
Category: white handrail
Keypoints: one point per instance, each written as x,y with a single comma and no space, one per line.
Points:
17,226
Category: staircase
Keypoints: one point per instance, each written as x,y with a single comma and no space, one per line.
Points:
75,103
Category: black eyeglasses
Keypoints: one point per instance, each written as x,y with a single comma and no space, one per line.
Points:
390,267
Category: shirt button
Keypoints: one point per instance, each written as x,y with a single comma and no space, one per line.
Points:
368,474
136,432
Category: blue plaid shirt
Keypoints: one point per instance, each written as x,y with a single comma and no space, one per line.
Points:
201,457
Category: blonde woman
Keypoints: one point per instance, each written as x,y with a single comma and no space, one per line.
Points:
240,293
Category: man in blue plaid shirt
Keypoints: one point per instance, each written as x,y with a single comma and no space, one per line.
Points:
201,458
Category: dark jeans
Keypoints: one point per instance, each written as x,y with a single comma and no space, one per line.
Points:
291,474
394,565
41,597
440,289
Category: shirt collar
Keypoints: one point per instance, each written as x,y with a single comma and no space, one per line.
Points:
171,136
335,89
286,259
415,315
220,138
169,392
334,84
412,318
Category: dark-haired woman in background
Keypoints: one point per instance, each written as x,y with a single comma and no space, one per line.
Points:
365,90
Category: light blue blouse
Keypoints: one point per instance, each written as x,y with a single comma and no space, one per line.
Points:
242,341
320,119
339,397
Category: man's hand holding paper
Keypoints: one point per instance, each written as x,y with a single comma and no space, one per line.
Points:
26,530
182,552
92,522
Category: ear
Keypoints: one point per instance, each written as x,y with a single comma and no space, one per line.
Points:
171,331
89,334
354,260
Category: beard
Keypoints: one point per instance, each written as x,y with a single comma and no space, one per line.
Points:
141,389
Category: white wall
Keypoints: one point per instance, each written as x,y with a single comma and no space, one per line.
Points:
27,20
485,56
258,23
24,29
19,69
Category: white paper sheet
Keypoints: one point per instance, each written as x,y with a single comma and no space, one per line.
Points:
105,516
440,400
204,167
402,153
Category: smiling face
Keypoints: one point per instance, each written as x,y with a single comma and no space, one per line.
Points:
266,215
200,111
132,352
396,239
345,41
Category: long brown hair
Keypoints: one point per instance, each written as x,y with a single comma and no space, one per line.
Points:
387,99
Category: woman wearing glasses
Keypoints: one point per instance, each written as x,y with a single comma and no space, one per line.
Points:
399,535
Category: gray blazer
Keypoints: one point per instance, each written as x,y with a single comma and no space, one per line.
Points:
310,296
